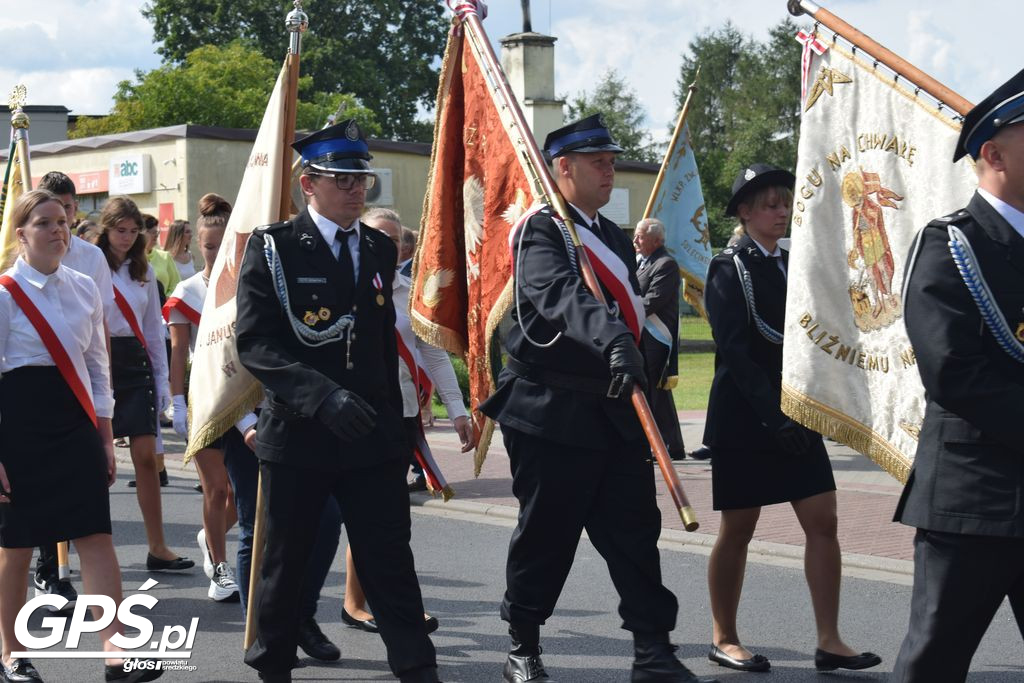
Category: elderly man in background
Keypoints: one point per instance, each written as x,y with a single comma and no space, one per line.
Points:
658,274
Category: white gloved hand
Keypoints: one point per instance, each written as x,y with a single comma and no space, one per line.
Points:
180,415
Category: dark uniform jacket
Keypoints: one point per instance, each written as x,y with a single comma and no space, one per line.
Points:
553,299
968,474
659,283
298,377
744,406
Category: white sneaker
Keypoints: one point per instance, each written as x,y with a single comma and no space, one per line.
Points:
223,587
205,549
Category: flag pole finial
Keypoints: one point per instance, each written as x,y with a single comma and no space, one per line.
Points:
297,22
19,119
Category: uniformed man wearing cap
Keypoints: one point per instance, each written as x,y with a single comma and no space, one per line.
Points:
578,455
964,312
316,328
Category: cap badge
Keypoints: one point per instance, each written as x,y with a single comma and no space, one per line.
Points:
600,120
749,175
352,131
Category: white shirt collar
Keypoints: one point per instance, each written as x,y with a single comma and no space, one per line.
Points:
1013,216
37,279
777,252
329,228
589,221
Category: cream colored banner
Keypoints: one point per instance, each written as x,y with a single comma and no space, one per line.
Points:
220,390
874,168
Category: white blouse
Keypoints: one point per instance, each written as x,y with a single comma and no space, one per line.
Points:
77,300
144,300
88,259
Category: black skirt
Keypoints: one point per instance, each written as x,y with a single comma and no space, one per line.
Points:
744,478
54,459
134,390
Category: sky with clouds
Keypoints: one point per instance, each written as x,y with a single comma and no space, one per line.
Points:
74,52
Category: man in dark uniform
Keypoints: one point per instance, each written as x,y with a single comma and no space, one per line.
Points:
965,318
658,275
316,327
578,454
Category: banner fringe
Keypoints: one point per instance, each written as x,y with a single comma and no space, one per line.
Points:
842,428
216,426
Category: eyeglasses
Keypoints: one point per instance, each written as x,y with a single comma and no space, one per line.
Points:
348,181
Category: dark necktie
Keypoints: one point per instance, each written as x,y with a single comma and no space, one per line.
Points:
344,255
776,268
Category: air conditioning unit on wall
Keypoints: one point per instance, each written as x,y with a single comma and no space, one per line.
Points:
382,193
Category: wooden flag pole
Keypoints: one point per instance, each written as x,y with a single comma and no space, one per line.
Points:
297,22
545,184
672,144
884,56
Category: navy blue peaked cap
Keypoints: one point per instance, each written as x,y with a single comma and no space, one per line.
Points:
1002,108
586,135
340,148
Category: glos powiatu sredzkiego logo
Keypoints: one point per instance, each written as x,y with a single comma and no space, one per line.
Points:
173,647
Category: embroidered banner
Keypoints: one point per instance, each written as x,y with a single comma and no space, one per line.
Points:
220,390
477,190
874,167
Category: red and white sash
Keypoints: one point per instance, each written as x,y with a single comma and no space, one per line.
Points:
58,339
126,309
187,298
424,388
611,271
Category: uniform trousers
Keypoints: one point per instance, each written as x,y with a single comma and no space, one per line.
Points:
959,583
374,503
243,472
563,490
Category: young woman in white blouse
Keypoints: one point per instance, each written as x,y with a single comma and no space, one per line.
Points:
138,365
55,463
183,309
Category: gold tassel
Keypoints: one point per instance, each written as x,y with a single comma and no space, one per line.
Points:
825,420
447,493
216,427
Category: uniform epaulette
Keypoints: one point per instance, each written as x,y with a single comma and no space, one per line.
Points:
273,226
728,251
954,217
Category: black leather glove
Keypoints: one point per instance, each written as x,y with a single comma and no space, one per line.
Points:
792,437
347,415
626,365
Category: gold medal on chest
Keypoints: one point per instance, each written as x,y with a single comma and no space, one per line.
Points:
324,313
380,299
310,318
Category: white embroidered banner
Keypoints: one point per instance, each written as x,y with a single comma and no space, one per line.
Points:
874,167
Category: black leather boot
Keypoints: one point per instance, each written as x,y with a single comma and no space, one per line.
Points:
655,661
524,664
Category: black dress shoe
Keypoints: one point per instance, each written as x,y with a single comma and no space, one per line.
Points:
755,663
655,661
432,624
524,669
138,670
677,455
155,564
368,625
20,671
826,661
271,677
418,484
702,453
315,644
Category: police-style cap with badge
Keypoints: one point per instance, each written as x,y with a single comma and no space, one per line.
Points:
586,135
1002,108
340,148
756,177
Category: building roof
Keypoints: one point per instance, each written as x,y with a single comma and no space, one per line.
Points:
240,134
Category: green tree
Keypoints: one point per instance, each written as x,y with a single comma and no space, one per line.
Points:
746,109
623,114
385,52
215,86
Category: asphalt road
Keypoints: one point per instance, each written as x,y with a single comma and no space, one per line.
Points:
460,561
